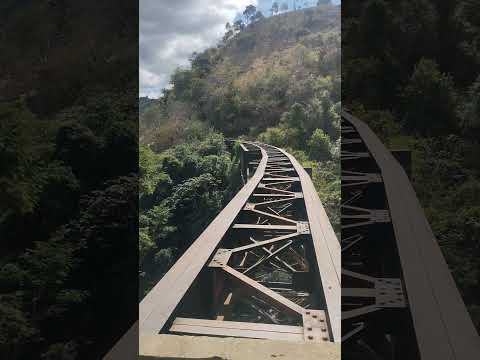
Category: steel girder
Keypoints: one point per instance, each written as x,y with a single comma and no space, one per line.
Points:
255,270
399,300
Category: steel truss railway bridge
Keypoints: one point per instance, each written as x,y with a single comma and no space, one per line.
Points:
270,266
267,267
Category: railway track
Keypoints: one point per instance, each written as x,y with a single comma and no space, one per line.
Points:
399,300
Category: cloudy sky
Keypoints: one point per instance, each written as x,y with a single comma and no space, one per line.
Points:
171,30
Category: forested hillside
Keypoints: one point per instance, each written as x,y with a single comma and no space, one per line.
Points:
410,69
273,79
254,76
68,177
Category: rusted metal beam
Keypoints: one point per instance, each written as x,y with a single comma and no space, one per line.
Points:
272,254
265,292
264,227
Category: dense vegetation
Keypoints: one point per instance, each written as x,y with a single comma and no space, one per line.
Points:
273,79
181,191
410,69
68,177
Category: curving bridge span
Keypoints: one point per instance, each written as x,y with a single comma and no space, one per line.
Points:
270,266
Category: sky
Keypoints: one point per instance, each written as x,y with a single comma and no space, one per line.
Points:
171,30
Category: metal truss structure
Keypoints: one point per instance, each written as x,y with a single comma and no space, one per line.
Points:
267,267
399,300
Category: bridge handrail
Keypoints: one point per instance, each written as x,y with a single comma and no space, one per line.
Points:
443,327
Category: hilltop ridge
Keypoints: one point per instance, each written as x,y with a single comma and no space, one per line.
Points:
246,83
282,31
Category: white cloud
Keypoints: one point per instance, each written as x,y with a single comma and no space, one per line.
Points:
171,30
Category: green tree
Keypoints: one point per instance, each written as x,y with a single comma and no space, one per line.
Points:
151,172
295,118
238,25
374,27
16,330
274,9
319,146
470,111
201,192
21,155
249,13
182,80
154,229
273,136
429,100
